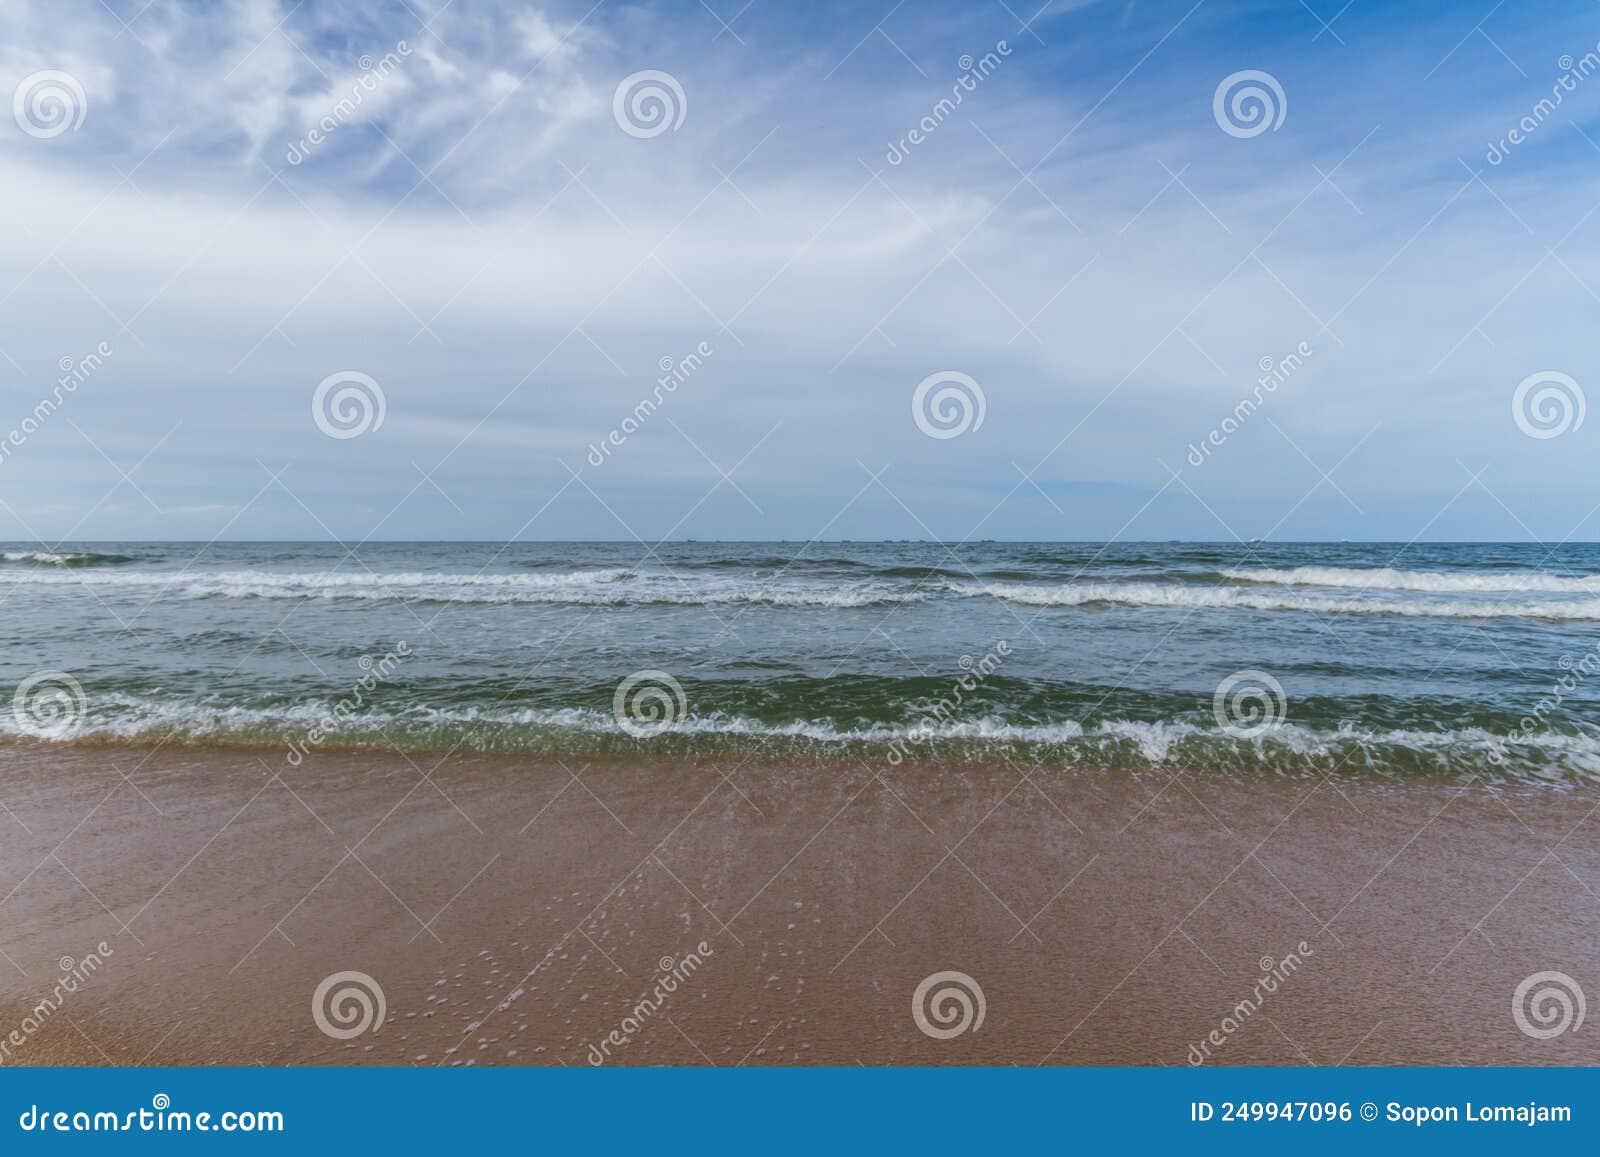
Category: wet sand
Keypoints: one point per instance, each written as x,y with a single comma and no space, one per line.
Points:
515,911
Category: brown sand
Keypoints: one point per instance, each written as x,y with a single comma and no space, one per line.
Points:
514,910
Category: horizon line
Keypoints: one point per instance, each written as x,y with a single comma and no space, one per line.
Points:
802,541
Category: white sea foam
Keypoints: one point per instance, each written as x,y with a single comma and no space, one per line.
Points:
1431,582
319,580
51,557
123,717
601,586
1348,591
1234,598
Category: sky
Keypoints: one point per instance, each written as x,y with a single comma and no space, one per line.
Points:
457,216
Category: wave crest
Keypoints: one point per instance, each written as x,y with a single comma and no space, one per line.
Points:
1423,581
609,586
1547,757
1178,595
64,558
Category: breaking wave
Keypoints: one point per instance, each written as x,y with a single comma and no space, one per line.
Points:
64,558
1551,757
1235,598
601,587
1428,582
1344,591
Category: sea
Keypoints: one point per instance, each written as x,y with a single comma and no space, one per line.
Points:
1479,661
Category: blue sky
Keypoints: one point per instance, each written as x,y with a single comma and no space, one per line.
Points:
1081,238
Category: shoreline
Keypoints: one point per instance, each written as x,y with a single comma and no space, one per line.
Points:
516,909
1391,757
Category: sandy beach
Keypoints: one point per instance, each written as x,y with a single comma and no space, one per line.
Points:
516,910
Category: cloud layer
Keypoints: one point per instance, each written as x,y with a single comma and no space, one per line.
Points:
442,197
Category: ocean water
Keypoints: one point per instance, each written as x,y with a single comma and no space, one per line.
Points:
1331,658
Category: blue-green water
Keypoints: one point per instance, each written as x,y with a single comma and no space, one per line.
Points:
1391,659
